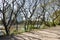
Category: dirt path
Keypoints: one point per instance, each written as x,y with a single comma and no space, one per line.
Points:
44,34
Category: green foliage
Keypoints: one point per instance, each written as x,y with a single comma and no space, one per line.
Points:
57,21
55,14
30,27
56,17
43,26
49,24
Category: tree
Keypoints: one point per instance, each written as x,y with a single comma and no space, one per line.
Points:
31,9
18,11
55,16
8,11
44,6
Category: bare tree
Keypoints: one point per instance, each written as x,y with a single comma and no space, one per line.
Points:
18,11
8,12
7,20
30,10
55,15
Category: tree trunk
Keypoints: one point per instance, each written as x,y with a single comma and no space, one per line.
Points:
25,25
53,23
7,30
17,27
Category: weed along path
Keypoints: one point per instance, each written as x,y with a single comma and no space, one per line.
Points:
52,33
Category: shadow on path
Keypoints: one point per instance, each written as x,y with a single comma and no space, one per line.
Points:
23,37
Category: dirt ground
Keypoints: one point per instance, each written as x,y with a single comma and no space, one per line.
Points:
44,34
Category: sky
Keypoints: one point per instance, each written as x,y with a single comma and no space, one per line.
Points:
0,3
0,6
